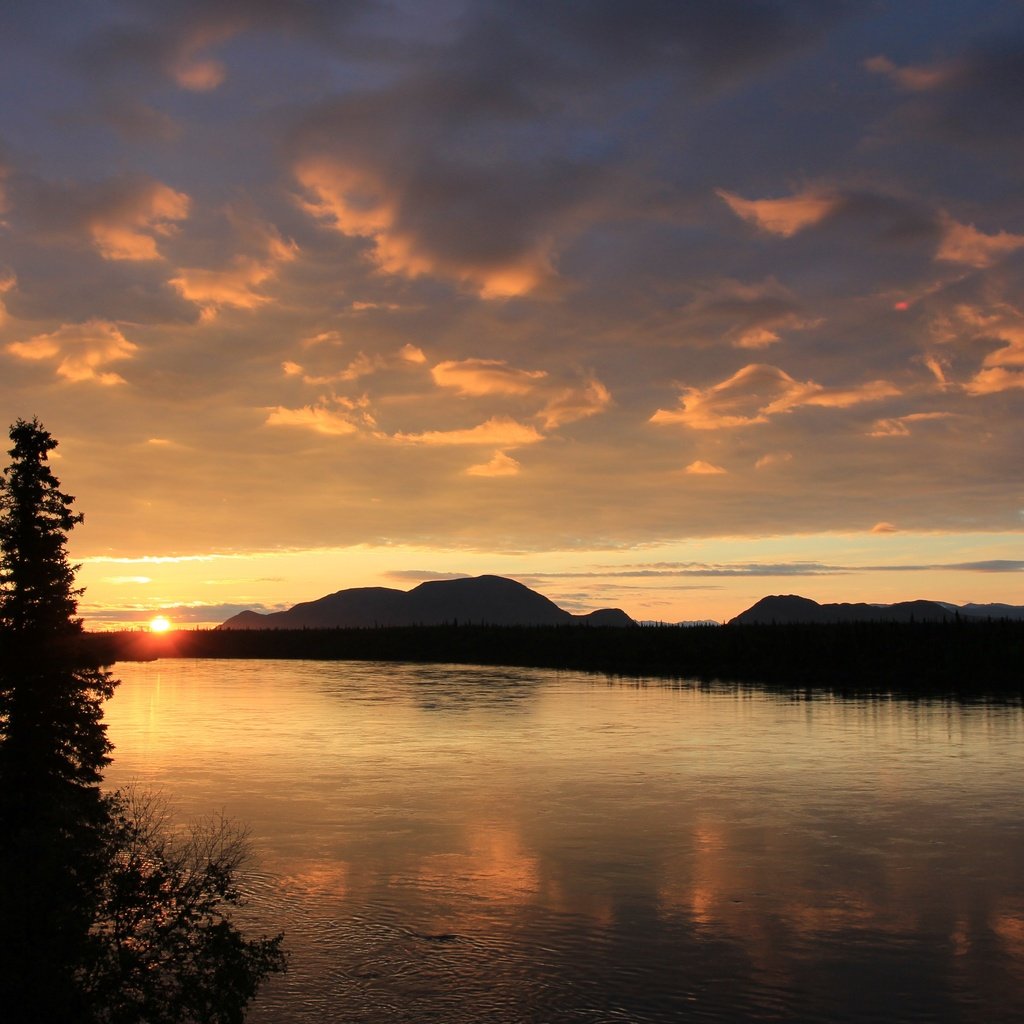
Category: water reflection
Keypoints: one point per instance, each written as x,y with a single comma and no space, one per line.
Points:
454,844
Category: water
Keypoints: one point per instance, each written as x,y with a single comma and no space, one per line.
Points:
458,844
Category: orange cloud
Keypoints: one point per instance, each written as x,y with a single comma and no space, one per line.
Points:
913,78
7,282
783,217
316,418
236,285
479,377
194,72
995,379
702,468
412,354
576,403
322,337
358,202
884,528
499,465
964,243
485,377
773,459
497,432
361,366
899,426
86,349
755,393
129,229
1001,367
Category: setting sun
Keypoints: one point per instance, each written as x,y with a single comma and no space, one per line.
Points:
160,624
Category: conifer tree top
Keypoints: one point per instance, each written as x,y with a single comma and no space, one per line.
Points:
37,592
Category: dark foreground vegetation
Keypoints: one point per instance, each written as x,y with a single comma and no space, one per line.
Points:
106,915
964,659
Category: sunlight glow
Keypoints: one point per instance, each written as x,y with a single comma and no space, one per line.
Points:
159,624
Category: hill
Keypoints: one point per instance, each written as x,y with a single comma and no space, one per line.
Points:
791,609
478,600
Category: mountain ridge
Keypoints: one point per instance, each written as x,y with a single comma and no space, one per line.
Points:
793,609
482,600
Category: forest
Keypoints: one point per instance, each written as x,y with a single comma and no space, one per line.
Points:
963,659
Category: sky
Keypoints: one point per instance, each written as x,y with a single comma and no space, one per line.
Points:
659,305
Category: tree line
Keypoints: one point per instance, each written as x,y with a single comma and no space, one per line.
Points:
964,659
107,916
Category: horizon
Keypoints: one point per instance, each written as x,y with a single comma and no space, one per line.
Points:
661,308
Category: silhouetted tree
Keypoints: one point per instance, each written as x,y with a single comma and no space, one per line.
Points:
164,948
104,917
51,694
53,743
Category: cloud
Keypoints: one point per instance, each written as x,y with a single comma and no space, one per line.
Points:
757,392
702,468
884,528
970,100
500,464
361,202
915,77
485,377
85,350
124,218
187,65
423,575
964,243
317,418
575,403
995,379
746,315
7,282
899,426
784,217
362,365
999,327
497,432
237,284
128,230
413,354
770,459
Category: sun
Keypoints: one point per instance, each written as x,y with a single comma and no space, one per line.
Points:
160,624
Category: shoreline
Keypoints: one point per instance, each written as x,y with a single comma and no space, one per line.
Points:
958,659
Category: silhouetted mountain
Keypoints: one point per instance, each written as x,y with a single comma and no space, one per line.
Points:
993,611
605,617
490,600
791,608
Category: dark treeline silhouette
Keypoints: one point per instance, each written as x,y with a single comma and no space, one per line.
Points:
960,658
105,918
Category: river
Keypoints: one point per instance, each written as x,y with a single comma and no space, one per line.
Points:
449,843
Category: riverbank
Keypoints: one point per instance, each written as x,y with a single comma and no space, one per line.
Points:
964,659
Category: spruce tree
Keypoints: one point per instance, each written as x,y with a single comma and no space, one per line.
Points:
53,743
52,690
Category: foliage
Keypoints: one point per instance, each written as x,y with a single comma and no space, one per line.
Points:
164,948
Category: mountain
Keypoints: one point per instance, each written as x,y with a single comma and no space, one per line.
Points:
993,611
487,600
787,608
